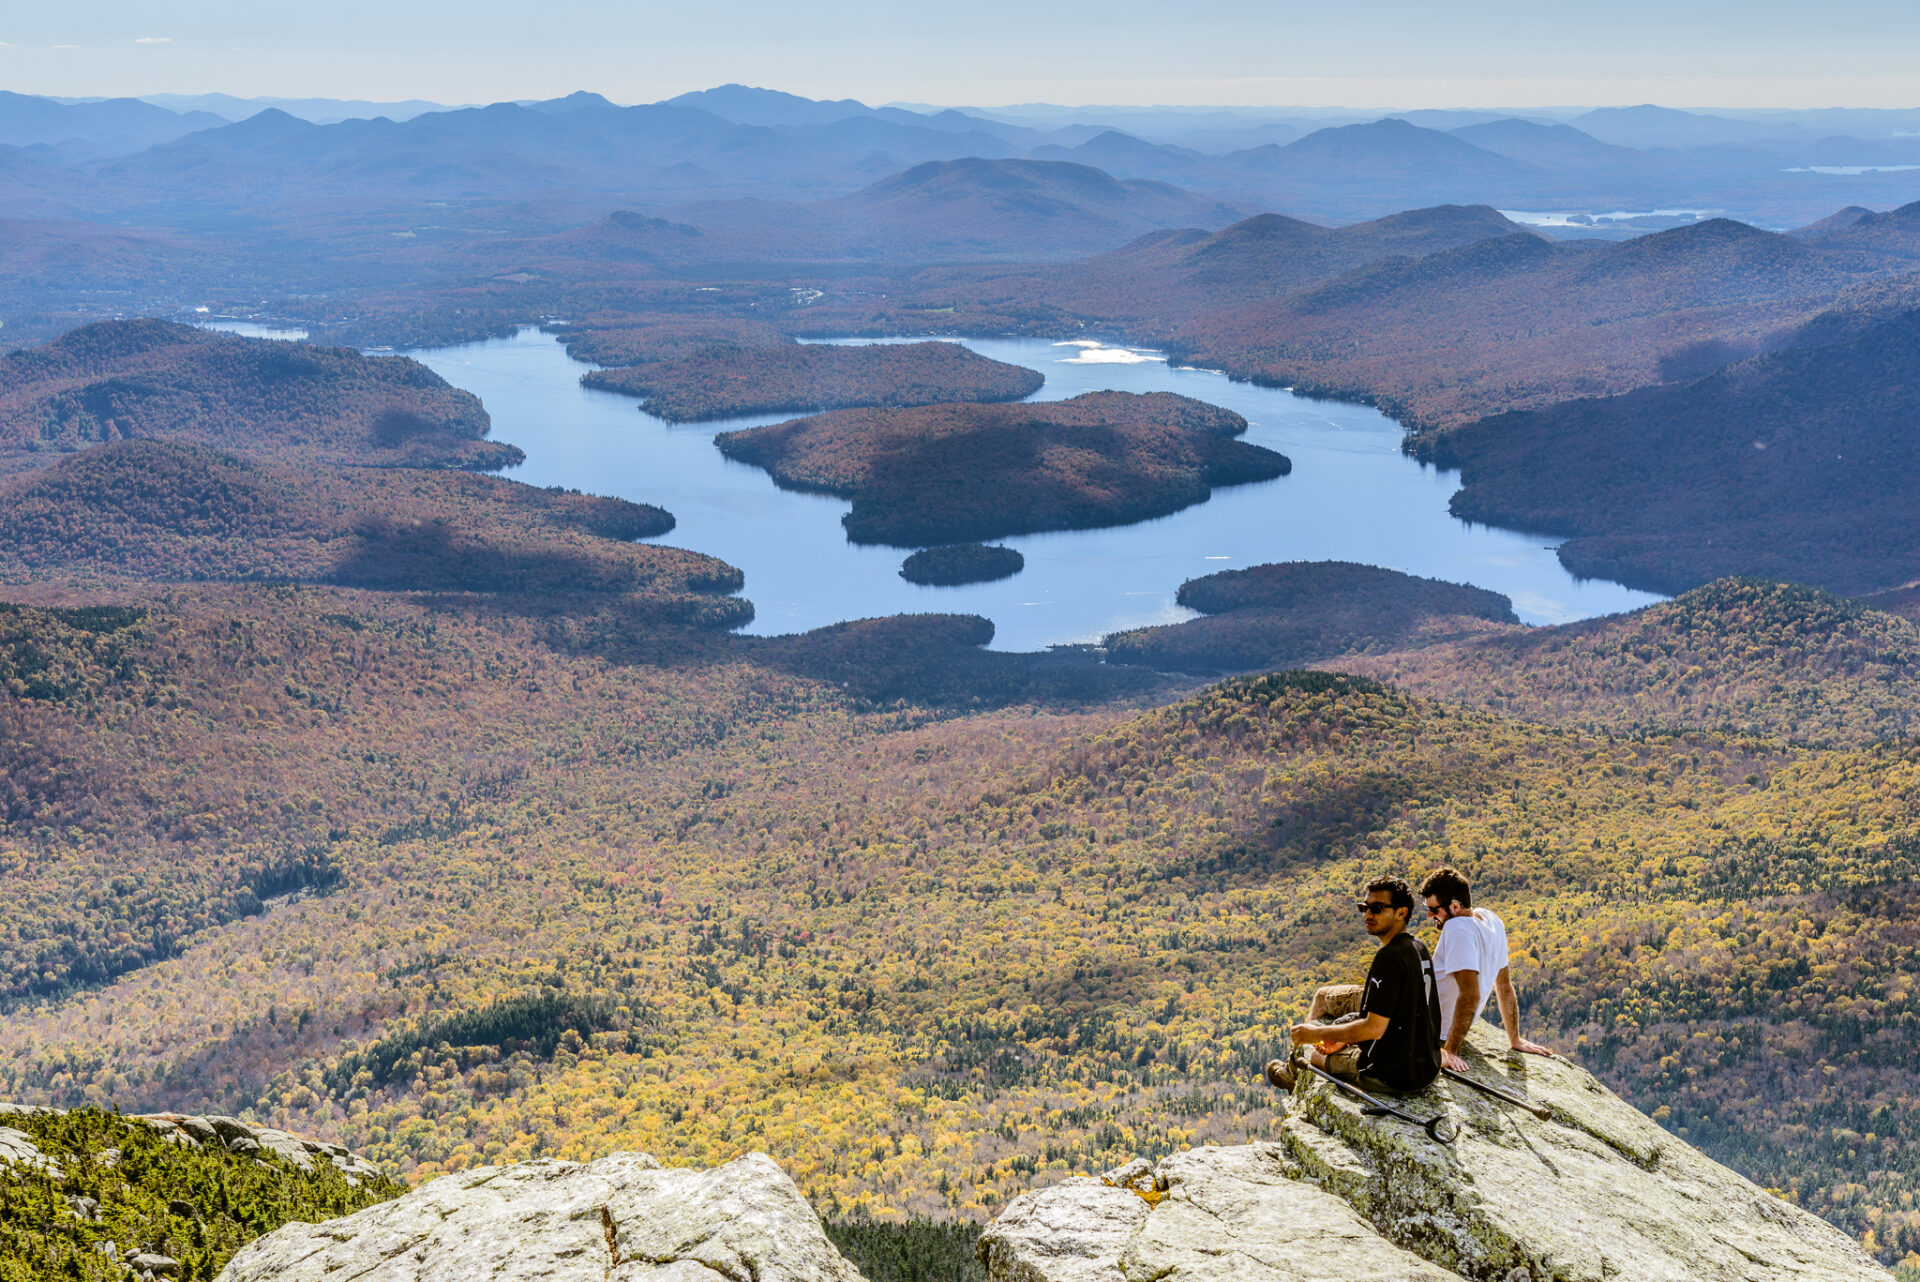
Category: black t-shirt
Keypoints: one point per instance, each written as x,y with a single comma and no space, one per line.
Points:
1400,986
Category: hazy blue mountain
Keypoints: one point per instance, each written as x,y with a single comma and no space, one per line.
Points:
1861,122
1394,145
1353,172
563,162
1842,149
1839,220
1340,174
746,105
1255,261
1453,121
1651,126
962,122
1126,156
86,130
893,144
970,209
33,187
1246,137
321,111
577,147
579,100
1549,146
1897,231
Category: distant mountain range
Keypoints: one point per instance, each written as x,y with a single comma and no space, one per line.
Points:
1254,261
1447,314
131,160
70,133
737,178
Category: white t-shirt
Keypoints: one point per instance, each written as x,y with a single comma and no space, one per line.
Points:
1477,943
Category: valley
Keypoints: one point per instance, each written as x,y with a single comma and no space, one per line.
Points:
1112,911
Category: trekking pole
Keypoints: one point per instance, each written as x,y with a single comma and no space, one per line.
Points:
1540,1111
1433,1126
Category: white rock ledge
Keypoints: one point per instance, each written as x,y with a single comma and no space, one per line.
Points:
620,1219
1598,1194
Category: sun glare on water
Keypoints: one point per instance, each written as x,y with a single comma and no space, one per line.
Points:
1096,353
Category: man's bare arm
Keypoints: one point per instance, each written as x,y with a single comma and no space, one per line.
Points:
1372,1028
1510,1013
1465,1007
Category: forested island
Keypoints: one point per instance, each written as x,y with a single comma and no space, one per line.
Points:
728,381
958,563
118,380
1299,612
961,473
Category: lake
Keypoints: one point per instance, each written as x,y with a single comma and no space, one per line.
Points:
1353,496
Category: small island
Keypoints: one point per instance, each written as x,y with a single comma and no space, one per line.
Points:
964,473
727,380
959,563
1270,617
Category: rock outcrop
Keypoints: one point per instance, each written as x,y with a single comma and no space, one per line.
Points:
620,1219
1595,1193
18,1146
161,1196
236,1136
229,1133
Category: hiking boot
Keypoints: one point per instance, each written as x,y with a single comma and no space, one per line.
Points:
1280,1074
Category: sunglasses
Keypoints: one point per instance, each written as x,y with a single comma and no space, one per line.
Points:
1370,908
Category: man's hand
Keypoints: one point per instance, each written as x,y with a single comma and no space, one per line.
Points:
1526,1047
1304,1033
1452,1062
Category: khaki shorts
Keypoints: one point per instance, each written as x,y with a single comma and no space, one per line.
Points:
1335,1001
1339,1004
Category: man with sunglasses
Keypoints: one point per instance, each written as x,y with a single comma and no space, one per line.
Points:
1471,962
1385,1033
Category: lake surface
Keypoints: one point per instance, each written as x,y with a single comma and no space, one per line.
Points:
1352,497
254,329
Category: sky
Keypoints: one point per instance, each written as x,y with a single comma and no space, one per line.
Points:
1392,53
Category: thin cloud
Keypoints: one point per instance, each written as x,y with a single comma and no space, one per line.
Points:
153,40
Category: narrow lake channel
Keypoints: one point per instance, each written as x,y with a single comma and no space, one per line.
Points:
1352,497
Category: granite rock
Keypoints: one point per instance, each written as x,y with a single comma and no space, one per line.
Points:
1596,1192
622,1218
18,1146
1074,1231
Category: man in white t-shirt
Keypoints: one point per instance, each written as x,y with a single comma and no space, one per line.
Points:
1470,964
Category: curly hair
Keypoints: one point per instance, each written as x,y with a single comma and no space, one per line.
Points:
1399,894
1448,886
